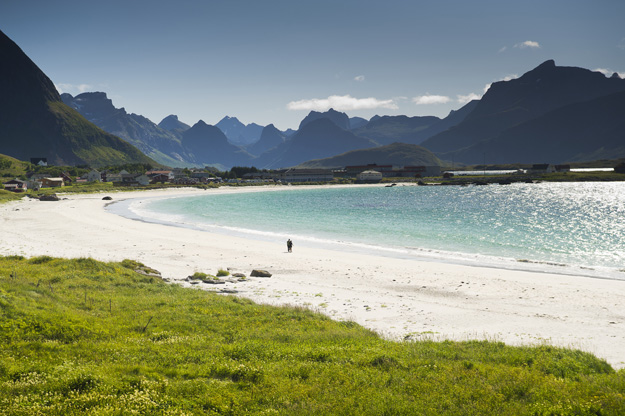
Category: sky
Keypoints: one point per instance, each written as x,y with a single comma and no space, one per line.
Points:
273,61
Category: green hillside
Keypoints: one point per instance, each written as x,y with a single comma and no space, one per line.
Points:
34,122
11,167
85,337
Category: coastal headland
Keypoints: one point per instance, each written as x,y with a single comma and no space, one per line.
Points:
398,298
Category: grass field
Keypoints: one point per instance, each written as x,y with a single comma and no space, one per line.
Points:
85,337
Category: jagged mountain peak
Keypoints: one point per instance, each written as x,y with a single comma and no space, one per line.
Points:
171,123
231,119
200,124
338,118
92,103
239,133
549,63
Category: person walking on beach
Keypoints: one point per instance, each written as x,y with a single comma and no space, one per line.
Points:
289,245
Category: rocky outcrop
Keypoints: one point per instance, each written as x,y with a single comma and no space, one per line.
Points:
260,273
50,197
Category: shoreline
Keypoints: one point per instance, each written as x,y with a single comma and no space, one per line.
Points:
131,208
397,297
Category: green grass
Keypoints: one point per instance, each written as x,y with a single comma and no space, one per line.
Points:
6,196
85,337
11,168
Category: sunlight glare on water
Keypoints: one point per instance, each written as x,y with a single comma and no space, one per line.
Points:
575,224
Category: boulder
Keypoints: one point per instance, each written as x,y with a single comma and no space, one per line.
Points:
238,275
260,273
51,197
213,282
107,198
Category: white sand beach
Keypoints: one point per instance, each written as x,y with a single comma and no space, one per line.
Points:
395,297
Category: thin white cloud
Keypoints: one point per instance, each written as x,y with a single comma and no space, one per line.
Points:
463,99
341,103
431,99
621,44
503,49
608,72
359,78
528,44
72,88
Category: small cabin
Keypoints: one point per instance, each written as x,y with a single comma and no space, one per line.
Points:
15,185
52,182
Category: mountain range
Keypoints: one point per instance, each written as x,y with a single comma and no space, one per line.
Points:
238,133
210,146
160,144
550,114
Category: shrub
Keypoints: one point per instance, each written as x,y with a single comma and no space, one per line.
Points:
198,276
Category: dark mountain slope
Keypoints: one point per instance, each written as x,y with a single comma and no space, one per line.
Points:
510,103
584,131
210,146
389,129
34,121
454,118
338,118
318,139
356,122
173,125
269,138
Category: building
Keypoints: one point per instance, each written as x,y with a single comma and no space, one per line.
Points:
113,177
304,175
542,168
258,176
186,181
15,185
33,184
160,178
369,176
52,182
39,161
385,170
201,175
168,175
133,179
67,179
93,176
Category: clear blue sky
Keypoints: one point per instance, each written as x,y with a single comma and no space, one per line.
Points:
274,61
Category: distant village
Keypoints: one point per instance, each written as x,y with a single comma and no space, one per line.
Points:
370,173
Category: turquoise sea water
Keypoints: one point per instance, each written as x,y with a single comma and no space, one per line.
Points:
574,228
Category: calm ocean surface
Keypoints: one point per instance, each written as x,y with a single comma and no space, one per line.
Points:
576,228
